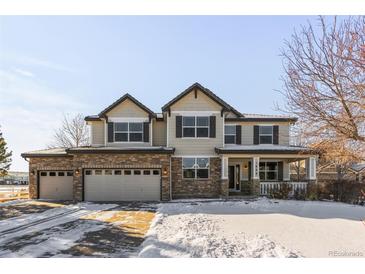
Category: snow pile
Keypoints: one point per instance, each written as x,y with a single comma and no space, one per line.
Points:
199,235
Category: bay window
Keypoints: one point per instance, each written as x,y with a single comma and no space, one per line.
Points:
195,168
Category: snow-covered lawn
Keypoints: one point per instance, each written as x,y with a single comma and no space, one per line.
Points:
261,228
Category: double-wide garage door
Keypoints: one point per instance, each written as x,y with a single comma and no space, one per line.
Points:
122,185
56,185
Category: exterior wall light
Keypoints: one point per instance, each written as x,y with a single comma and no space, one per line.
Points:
77,171
32,172
164,172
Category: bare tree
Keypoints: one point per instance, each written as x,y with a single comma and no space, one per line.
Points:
324,83
73,132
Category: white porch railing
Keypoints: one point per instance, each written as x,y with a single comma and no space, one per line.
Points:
267,187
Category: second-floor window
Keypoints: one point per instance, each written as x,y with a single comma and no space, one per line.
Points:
195,126
266,134
128,132
229,134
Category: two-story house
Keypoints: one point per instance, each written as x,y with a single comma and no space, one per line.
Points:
198,146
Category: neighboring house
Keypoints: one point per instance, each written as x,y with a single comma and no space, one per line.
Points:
328,172
199,146
14,178
354,173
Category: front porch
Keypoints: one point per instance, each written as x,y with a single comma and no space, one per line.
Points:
260,175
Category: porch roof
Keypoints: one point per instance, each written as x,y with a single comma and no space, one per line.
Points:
263,149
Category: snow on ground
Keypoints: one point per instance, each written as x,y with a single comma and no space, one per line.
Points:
261,228
32,223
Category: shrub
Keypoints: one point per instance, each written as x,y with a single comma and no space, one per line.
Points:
281,193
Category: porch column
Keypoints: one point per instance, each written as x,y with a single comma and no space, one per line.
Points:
224,176
255,168
286,170
255,176
311,168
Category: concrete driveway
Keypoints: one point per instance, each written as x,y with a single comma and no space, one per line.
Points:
53,229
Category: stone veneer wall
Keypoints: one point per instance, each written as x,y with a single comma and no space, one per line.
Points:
81,161
214,186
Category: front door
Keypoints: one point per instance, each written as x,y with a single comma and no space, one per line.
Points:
234,178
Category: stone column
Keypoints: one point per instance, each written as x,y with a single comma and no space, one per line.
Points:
77,184
224,176
33,185
255,176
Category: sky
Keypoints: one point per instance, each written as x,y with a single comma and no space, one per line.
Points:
56,65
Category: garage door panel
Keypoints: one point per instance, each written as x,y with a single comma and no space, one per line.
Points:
56,187
132,185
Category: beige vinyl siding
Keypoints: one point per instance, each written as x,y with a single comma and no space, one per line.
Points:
247,135
195,146
201,103
159,133
127,109
284,131
247,131
98,132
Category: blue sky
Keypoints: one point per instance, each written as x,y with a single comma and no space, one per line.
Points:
69,64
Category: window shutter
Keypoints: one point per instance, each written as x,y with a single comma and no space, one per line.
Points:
238,134
256,137
275,136
280,171
110,132
212,126
178,126
146,132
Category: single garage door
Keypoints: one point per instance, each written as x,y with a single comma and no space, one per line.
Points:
122,184
56,185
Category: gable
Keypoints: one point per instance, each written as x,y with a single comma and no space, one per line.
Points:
196,100
197,89
127,108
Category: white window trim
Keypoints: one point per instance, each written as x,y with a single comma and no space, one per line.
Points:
196,167
128,132
272,134
128,119
195,113
195,128
266,170
234,135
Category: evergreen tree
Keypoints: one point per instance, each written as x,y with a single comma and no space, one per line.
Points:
5,156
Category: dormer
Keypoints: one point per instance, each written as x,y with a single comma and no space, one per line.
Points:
126,122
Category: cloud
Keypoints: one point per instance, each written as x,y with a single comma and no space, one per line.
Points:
45,64
23,72
21,60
